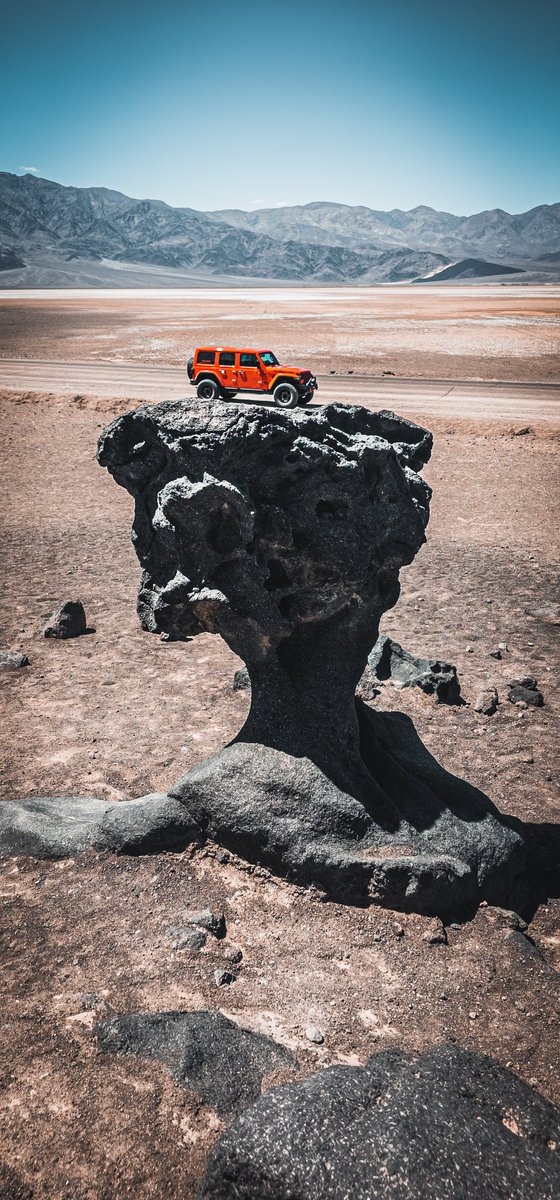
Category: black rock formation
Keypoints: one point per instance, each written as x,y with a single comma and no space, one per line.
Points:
448,1124
388,660
68,621
285,532
205,1052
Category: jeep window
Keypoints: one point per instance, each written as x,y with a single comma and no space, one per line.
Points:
248,360
206,356
268,358
227,358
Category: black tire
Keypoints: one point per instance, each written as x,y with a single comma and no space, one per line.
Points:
285,395
207,389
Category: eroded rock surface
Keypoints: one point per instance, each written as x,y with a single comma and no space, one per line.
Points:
448,1124
285,533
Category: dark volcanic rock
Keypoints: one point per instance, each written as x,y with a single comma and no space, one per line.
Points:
11,660
205,1052
68,621
285,533
58,827
449,1124
388,660
525,689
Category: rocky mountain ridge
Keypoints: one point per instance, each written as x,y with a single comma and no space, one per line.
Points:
51,234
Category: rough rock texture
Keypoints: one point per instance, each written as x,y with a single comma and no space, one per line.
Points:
388,660
214,1057
487,702
525,689
11,660
285,532
68,621
52,827
448,1124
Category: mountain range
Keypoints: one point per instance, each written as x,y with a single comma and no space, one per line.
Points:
53,235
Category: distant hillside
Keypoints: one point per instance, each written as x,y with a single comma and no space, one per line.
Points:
469,268
66,236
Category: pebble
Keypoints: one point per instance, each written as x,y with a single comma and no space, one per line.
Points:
185,939
398,929
214,923
223,978
314,1035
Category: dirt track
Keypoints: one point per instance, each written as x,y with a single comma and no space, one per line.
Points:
470,399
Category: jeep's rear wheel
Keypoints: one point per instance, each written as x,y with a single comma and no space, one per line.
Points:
285,395
207,389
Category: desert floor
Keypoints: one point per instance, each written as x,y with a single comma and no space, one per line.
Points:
441,332
119,713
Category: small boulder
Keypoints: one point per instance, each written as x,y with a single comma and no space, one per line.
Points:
185,939
526,690
68,621
11,660
388,660
487,702
223,978
314,1035
214,923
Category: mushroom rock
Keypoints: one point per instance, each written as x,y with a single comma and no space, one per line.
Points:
284,532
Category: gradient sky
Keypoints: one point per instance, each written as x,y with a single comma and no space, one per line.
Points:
220,104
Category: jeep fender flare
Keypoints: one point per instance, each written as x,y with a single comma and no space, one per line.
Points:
278,379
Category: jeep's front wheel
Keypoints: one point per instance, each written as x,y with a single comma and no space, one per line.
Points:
207,389
285,395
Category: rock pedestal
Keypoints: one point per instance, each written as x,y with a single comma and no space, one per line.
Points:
284,532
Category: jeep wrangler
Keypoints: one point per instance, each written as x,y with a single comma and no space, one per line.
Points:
219,372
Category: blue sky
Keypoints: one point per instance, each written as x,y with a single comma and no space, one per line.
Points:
220,105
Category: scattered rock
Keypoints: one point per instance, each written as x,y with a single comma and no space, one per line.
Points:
241,680
12,660
435,935
314,1035
214,923
185,939
234,955
526,690
68,621
487,702
496,653
388,660
205,1052
446,1124
388,372
522,431
223,977
398,929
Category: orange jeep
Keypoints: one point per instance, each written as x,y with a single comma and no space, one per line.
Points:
222,372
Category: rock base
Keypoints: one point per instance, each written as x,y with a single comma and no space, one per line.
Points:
411,836
422,840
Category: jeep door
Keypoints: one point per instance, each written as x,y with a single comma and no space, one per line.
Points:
251,374
227,370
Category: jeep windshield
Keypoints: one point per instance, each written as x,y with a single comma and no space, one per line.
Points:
268,358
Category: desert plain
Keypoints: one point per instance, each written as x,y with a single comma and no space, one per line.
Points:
119,713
